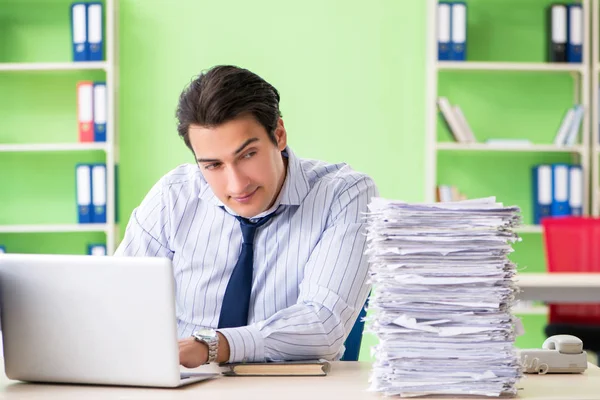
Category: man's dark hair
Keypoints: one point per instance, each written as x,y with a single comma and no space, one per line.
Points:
224,93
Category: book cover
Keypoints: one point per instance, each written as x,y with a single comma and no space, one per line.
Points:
279,368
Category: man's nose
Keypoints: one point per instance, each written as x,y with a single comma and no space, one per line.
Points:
237,181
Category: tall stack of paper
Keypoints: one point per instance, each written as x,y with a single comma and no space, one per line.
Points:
442,297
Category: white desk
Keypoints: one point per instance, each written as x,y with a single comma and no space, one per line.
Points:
559,287
347,381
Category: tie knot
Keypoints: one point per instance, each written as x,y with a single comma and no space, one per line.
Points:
249,227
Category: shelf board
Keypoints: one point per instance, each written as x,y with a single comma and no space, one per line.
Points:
41,147
530,310
54,228
510,66
529,229
55,66
532,148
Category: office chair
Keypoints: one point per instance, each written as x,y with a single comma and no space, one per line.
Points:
354,339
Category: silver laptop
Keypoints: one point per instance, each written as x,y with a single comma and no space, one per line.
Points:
90,320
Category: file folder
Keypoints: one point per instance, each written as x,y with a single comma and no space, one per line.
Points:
99,101
2,250
79,32
542,192
97,250
576,190
578,112
575,33
85,111
95,31
565,128
84,193
458,27
560,190
557,33
443,26
99,193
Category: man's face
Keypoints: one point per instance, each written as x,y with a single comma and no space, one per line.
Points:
241,164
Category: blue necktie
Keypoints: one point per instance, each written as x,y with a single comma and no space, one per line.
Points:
236,302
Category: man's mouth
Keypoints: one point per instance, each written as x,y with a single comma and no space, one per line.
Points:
245,197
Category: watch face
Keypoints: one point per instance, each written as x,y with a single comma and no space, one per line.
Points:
206,332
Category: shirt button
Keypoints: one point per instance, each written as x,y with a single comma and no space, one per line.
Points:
253,220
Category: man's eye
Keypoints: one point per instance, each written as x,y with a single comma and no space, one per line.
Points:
211,166
250,154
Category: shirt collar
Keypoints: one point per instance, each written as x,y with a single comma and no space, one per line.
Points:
294,190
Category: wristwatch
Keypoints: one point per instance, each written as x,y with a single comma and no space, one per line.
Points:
210,337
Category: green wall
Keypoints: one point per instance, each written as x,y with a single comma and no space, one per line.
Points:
351,75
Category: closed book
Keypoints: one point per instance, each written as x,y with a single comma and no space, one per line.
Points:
279,368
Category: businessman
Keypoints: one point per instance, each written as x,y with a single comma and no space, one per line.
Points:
267,247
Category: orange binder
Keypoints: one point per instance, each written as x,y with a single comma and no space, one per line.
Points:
85,111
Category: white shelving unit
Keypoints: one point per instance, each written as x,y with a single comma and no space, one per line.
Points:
55,228
581,94
66,66
534,148
508,66
529,229
43,147
109,147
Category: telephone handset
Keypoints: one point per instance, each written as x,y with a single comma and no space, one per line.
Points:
559,354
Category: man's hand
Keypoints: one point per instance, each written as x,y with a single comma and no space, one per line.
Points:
192,353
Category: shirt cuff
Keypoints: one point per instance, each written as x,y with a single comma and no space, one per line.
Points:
246,344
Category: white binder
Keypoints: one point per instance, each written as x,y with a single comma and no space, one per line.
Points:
94,16
576,190
99,193
84,193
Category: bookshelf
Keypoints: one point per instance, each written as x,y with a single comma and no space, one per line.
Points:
580,77
520,66
44,61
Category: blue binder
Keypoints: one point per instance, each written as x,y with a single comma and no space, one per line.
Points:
542,192
99,96
443,30
574,33
458,29
99,193
97,249
79,32
560,190
2,249
576,190
83,179
95,31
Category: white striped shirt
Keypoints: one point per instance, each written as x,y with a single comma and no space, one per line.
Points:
310,272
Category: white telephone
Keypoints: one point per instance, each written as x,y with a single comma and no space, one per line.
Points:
559,354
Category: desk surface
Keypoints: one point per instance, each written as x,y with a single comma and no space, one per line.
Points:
559,287
347,380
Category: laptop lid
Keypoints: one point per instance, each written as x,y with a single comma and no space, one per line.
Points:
86,319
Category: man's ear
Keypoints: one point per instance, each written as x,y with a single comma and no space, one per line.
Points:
281,135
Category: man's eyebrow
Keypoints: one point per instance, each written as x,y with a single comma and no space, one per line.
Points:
246,143
238,151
